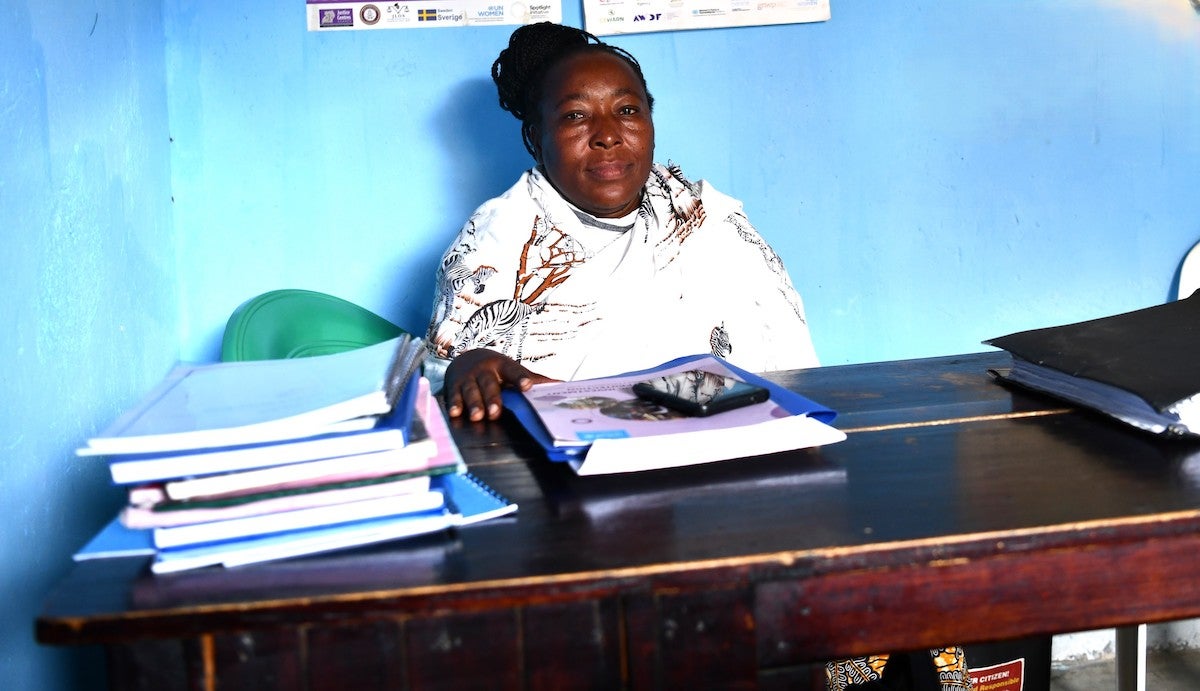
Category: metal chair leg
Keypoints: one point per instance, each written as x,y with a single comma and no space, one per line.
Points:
1131,658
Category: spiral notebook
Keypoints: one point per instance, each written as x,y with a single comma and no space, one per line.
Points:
226,404
470,500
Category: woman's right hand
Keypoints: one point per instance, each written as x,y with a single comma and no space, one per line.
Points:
474,380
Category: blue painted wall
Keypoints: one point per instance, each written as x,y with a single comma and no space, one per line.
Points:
933,173
88,294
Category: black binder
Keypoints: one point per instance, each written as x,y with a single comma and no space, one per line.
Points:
1142,367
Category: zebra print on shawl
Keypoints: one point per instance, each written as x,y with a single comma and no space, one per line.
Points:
529,277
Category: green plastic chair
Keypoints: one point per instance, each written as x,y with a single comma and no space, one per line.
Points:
292,323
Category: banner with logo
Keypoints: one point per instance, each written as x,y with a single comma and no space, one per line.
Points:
332,15
608,17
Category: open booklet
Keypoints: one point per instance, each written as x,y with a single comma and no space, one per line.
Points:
600,426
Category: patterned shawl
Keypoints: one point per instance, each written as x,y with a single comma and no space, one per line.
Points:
948,664
574,297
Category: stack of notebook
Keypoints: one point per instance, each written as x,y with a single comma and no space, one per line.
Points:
237,463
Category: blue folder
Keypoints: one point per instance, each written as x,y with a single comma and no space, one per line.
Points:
787,399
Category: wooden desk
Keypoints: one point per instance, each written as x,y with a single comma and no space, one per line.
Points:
957,511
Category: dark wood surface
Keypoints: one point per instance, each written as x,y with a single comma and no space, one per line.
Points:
957,511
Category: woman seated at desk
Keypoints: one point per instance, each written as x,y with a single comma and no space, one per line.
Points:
599,261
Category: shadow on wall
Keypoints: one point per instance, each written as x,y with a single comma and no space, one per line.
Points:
483,146
484,157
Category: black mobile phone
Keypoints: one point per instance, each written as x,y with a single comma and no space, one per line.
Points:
699,393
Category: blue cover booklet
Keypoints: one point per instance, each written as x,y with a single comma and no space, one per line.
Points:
601,426
392,430
233,403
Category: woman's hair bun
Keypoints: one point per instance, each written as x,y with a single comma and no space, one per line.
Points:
531,50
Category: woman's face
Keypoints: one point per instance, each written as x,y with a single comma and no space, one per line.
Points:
595,141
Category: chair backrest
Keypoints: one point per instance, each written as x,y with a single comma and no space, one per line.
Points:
1189,273
292,323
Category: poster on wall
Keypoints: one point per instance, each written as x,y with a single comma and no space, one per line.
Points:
332,15
608,17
